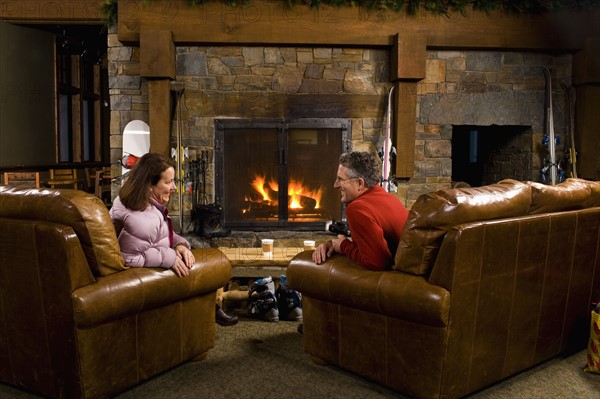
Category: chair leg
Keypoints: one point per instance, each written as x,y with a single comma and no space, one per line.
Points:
318,360
200,357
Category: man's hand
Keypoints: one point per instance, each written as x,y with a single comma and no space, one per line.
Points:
337,243
322,252
325,250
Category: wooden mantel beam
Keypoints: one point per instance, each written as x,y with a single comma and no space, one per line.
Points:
272,22
52,11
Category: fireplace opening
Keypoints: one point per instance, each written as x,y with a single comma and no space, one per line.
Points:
484,155
279,174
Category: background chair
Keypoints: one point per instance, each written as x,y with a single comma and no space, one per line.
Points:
102,184
64,177
22,179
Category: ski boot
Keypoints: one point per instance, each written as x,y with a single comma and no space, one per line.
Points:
262,302
208,221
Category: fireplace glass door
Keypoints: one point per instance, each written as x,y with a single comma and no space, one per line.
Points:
279,173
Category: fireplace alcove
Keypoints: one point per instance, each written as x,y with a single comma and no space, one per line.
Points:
484,155
261,164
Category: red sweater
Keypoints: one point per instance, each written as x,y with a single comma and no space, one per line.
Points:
376,219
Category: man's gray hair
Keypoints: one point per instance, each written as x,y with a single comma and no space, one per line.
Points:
364,165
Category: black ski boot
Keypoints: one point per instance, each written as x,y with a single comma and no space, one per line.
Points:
207,219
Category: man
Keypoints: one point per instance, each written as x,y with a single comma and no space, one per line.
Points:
375,217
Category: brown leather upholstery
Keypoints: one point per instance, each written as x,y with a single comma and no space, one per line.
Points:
86,214
503,295
433,214
572,194
69,333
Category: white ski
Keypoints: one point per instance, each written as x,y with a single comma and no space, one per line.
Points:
550,125
387,146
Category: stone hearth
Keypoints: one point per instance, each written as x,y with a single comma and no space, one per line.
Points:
251,239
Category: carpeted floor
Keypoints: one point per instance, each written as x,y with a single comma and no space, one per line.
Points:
255,359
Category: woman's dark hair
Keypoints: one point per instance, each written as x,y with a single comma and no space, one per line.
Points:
362,164
135,192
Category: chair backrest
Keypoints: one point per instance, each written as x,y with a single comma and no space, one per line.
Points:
22,179
102,184
63,173
82,211
63,177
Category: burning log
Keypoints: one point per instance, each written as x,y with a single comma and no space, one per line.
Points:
305,202
259,209
294,200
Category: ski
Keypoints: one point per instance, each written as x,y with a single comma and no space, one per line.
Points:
571,148
387,147
552,166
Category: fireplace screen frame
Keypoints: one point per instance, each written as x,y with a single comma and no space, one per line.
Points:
283,127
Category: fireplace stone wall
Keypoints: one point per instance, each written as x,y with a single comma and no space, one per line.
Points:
461,88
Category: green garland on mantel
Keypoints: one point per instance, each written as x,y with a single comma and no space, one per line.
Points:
438,7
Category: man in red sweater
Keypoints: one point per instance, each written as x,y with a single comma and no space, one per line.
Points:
375,217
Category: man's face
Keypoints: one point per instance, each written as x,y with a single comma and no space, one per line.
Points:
350,187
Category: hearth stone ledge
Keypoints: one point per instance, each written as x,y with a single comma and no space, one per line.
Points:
252,239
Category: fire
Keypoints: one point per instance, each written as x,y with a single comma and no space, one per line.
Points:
259,185
299,195
297,191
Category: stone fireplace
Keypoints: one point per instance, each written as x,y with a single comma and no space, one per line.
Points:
499,94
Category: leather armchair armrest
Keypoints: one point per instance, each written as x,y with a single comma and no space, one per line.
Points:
137,289
391,293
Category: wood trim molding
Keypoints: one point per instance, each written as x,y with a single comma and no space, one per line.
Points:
52,11
268,22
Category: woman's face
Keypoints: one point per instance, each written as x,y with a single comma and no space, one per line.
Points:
162,190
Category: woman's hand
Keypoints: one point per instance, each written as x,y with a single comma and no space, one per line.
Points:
186,255
179,267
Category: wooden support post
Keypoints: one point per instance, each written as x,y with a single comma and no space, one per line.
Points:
586,76
405,127
407,68
157,64
159,98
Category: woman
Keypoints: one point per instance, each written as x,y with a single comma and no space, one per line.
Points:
143,226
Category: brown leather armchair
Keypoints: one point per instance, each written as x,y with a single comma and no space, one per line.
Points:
487,282
75,323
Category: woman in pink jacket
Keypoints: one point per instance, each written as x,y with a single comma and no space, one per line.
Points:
143,225
141,218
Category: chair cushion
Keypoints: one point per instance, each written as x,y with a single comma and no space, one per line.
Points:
595,197
568,195
433,214
85,213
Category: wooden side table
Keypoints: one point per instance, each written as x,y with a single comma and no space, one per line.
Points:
250,263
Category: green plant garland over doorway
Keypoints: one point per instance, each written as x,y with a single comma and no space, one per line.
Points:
109,8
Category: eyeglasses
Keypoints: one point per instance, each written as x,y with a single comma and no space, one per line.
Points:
342,179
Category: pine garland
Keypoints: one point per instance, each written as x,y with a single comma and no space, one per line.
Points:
438,7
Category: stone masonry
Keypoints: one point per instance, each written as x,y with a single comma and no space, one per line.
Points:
460,88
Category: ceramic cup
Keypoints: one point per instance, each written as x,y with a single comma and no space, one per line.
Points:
267,247
309,244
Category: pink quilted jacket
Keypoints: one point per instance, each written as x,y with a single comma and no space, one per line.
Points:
144,236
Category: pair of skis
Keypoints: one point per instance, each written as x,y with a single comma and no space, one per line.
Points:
551,167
